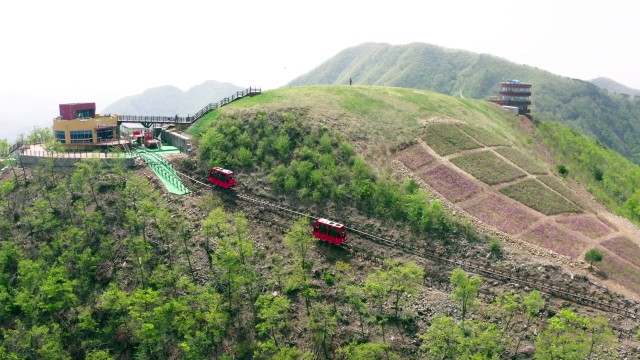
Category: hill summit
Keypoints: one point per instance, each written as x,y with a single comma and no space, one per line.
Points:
580,104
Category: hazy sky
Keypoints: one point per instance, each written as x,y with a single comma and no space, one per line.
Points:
63,51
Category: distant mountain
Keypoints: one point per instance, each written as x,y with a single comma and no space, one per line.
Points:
169,100
20,113
613,120
614,87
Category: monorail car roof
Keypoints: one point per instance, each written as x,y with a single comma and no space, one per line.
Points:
329,222
224,170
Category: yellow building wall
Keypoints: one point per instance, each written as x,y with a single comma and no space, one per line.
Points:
83,124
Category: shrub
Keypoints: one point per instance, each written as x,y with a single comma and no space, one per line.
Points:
244,157
290,183
328,279
562,170
597,174
282,145
592,256
325,143
346,149
494,245
288,118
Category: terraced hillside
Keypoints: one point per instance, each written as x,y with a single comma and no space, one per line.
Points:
511,194
482,162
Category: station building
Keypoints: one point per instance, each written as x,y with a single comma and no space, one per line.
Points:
79,127
514,93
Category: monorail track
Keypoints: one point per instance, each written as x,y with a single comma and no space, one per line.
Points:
438,257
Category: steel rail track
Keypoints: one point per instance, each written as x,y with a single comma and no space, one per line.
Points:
432,255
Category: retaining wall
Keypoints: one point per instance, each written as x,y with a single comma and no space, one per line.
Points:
181,142
65,163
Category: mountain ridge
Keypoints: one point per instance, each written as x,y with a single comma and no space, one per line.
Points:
614,86
169,100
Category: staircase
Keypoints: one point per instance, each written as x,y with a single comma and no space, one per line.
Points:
164,171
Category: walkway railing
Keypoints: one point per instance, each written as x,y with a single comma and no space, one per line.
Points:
13,148
37,149
253,90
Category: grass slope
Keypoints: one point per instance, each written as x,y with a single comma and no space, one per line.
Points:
384,114
579,104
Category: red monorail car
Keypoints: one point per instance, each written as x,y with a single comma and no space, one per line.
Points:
221,177
330,231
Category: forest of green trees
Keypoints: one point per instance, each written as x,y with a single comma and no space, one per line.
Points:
97,265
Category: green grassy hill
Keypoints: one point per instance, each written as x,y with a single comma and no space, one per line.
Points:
615,87
613,120
471,154
168,100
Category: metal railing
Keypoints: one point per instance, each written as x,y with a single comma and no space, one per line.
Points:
72,154
252,90
13,148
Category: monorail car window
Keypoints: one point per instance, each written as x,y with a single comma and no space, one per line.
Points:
342,234
230,176
333,232
223,177
216,175
323,229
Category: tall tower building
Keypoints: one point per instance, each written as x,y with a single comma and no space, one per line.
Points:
517,94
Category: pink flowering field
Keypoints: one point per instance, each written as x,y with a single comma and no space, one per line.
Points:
624,248
553,238
449,183
523,161
414,157
557,185
585,225
536,196
447,139
484,136
499,213
488,167
620,271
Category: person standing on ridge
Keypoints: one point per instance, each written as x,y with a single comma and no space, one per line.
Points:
349,81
